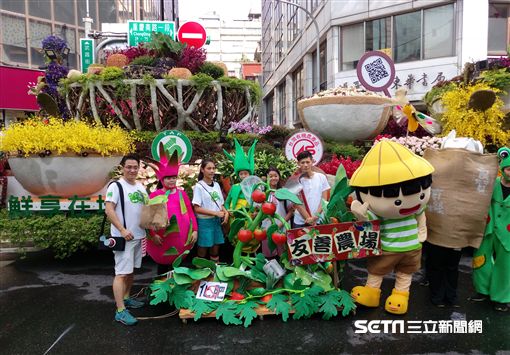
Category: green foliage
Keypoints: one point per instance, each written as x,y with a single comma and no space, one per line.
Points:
331,301
227,312
145,60
181,297
497,78
164,45
279,304
161,290
212,70
263,160
239,84
111,74
168,290
345,150
201,81
148,79
438,91
247,312
201,307
278,133
63,235
307,303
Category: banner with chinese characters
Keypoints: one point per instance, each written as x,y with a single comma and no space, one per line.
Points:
339,241
20,206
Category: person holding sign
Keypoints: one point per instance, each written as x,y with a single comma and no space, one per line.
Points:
392,185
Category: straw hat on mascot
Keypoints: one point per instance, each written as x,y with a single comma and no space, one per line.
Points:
392,185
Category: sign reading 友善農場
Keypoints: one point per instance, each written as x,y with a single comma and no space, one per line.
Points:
141,31
339,241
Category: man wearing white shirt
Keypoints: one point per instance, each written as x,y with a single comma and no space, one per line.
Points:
315,188
128,227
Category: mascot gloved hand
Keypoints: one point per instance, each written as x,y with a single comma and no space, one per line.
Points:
392,185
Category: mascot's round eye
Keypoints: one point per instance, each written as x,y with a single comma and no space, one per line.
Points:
398,202
503,154
422,196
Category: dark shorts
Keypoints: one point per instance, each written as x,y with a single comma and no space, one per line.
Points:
209,232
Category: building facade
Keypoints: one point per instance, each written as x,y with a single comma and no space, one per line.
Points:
428,40
232,41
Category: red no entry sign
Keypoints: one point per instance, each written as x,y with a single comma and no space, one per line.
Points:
193,34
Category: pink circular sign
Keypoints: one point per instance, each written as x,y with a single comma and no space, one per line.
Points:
301,141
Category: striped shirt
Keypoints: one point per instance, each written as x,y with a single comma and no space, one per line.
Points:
399,235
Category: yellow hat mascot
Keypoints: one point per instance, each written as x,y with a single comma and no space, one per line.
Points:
392,184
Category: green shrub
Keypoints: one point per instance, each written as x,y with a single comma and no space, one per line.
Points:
212,70
497,78
345,150
111,74
146,60
201,80
279,133
64,235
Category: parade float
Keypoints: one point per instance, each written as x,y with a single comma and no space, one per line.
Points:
302,281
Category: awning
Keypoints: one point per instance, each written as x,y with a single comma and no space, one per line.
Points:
14,88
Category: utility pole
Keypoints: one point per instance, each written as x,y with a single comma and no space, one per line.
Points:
88,21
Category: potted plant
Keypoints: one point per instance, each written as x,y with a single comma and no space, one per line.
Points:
55,157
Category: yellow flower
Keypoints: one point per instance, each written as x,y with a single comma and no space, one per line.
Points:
39,135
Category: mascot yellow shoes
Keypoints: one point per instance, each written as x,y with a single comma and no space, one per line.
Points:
392,185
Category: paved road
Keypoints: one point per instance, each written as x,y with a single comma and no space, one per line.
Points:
69,304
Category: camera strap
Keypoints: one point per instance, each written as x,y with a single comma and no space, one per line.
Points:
121,196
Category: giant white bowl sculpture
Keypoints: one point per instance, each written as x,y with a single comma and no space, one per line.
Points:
63,176
345,118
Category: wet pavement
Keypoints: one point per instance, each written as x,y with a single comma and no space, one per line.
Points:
67,307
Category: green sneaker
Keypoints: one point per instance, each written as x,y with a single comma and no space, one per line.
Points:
125,317
132,303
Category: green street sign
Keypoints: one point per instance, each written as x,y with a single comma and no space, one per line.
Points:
87,53
140,31
172,140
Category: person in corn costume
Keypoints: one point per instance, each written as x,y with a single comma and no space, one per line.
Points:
392,185
491,262
244,166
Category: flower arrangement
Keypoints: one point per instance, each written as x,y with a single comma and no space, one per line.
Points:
131,52
249,127
54,43
485,126
349,165
416,144
192,58
55,136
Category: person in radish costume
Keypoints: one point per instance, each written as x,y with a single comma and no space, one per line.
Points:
178,205
392,185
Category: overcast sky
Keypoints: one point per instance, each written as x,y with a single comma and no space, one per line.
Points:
228,9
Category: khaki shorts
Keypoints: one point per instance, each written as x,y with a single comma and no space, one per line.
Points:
131,257
406,262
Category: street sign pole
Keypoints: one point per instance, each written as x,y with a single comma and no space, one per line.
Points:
86,53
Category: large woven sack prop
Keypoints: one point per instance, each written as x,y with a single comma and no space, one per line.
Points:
461,196
154,216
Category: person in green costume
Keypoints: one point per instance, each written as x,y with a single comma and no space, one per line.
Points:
244,166
491,262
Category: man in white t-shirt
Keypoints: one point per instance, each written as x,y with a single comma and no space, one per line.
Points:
315,188
127,226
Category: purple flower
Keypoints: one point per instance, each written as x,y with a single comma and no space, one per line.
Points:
54,43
